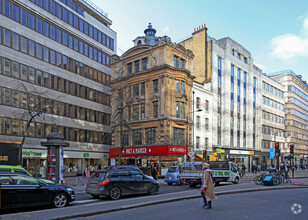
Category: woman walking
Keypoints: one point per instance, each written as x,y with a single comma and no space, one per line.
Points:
207,189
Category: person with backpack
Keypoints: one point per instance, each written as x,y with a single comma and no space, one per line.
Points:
207,188
78,176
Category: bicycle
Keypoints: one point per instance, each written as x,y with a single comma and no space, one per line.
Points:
258,180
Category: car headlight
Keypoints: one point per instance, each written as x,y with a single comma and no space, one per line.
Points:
70,189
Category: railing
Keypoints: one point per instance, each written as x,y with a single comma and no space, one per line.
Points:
94,6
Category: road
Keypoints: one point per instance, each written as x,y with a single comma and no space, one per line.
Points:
276,204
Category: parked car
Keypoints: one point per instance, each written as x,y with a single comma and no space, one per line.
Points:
129,167
115,183
18,169
18,190
172,175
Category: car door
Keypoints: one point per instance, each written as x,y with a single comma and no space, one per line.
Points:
139,183
8,193
122,179
31,191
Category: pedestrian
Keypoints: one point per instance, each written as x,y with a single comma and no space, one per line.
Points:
243,169
78,176
207,188
239,170
259,168
154,172
253,169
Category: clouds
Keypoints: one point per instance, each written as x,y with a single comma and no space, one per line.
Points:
291,46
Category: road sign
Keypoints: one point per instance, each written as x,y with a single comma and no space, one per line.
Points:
272,153
191,153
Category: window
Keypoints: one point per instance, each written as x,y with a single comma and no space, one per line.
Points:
144,63
24,16
206,105
15,14
137,137
15,41
175,61
181,63
198,103
178,136
136,90
136,63
31,21
182,109
155,109
142,88
182,87
177,86
150,135
31,46
125,138
142,111
129,67
206,124
198,122
136,112
206,142
197,142
155,85
7,38
46,28
15,70
7,8
177,109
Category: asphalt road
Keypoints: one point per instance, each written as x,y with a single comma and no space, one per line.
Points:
276,204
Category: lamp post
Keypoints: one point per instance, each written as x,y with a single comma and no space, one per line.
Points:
198,110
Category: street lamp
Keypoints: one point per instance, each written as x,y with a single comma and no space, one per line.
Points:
198,110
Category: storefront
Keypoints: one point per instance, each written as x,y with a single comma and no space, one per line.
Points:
240,156
34,160
147,157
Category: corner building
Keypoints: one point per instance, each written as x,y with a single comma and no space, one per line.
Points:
152,83
56,53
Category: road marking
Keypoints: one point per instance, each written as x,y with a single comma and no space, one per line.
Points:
85,201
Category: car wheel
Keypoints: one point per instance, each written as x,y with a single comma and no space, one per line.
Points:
95,196
169,184
236,181
153,189
59,200
115,193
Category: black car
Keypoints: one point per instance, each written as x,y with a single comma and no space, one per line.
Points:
117,182
127,167
18,190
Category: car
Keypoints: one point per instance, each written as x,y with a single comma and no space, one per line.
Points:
115,183
172,175
19,190
18,169
129,167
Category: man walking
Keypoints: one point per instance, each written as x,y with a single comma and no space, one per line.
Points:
78,176
207,188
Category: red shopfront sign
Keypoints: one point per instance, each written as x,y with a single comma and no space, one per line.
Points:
152,151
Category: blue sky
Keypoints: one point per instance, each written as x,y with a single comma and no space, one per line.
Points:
274,31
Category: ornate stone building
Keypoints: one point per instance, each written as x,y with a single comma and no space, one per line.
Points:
151,96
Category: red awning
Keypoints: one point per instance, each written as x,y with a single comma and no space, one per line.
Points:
152,151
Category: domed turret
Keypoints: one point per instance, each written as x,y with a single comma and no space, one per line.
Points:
150,31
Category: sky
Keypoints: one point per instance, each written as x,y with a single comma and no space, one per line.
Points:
275,32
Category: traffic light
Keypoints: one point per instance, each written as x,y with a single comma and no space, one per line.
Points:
291,150
204,154
277,150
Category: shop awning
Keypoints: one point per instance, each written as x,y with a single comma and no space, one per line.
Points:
212,157
151,151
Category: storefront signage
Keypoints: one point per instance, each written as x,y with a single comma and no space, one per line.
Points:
221,151
272,153
251,152
165,150
215,154
85,154
245,152
32,153
4,158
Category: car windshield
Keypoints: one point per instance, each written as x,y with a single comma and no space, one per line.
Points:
98,175
172,169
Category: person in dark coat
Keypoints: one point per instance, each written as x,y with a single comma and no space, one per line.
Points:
154,173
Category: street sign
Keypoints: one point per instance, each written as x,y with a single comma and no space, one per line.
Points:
251,152
215,154
191,153
272,153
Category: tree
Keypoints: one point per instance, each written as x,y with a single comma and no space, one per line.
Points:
37,106
120,102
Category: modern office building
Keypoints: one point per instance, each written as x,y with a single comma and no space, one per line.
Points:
296,112
151,98
272,116
236,95
55,57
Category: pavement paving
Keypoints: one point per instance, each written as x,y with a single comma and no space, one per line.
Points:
101,207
